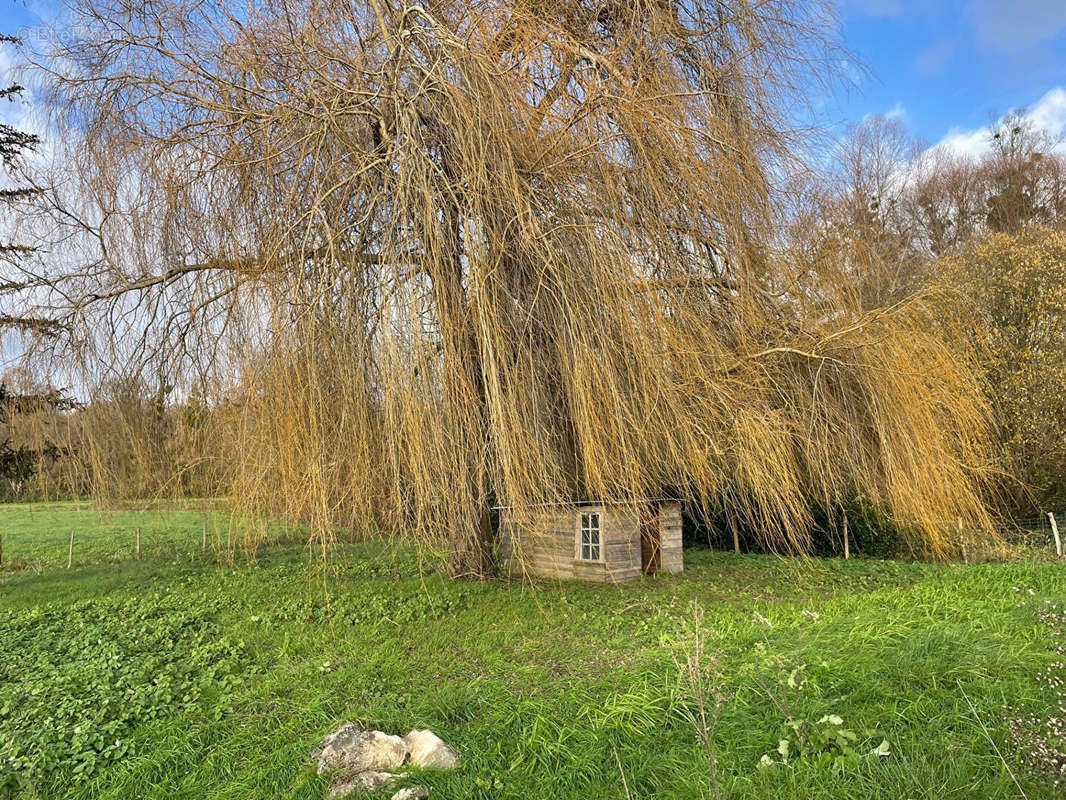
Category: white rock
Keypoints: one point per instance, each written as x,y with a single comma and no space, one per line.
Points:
368,781
427,750
412,793
350,749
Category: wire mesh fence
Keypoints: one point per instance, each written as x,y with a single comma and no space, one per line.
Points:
1034,531
51,536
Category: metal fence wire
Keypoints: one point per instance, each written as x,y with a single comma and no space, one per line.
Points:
1034,531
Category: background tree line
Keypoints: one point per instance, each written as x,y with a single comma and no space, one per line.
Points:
59,442
125,436
901,217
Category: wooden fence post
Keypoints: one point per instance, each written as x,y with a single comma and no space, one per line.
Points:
847,549
1055,532
137,555
70,552
962,544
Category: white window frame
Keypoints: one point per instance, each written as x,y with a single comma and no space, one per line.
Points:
589,522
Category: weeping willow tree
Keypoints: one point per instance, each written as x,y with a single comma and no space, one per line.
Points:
448,255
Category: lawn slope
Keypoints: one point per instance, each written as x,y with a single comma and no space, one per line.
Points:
181,676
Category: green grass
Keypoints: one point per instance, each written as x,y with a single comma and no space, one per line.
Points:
181,677
36,536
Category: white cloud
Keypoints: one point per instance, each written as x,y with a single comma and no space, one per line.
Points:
8,109
1018,24
16,111
932,60
24,112
898,111
1049,115
971,144
851,71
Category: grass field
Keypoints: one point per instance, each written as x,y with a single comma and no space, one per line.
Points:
36,536
186,676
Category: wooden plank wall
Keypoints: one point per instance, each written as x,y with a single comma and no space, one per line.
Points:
673,559
546,546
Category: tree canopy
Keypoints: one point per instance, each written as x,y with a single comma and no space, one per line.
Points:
449,255
987,229
1016,291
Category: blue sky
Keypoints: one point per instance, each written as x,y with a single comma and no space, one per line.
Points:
946,67
16,14
949,66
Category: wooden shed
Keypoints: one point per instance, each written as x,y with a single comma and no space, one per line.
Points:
593,540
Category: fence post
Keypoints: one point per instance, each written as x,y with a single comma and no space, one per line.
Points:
962,543
1055,532
70,552
138,553
847,550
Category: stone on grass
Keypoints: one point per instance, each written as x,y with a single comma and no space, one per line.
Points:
412,793
359,760
350,749
427,750
368,781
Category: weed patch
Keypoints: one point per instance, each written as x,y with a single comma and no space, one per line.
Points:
77,682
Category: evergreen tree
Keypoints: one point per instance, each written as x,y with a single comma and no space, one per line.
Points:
19,461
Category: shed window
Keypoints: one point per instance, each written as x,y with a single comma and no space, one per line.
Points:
590,536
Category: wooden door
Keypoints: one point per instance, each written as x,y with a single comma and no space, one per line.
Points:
651,543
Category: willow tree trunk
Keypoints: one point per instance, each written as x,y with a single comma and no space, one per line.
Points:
472,555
